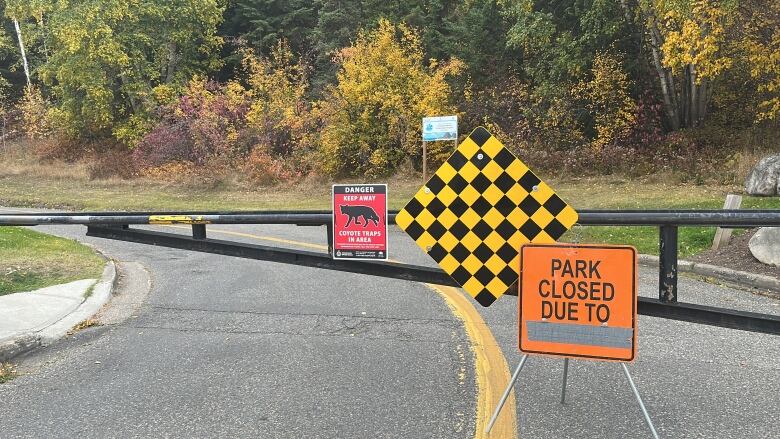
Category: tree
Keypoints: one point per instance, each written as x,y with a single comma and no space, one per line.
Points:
8,57
4,85
607,97
22,52
477,34
278,113
29,25
686,42
262,23
35,117
339,22
372,117
107,56
559,39
760,41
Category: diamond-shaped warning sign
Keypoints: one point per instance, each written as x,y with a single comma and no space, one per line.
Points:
477,210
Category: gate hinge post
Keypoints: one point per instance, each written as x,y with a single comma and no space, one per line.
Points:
330,237
667,264
198,231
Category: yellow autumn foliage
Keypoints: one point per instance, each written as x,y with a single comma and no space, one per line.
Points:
277,88
279,112
607,98
695,36
735,42
762,46
36,121
372,116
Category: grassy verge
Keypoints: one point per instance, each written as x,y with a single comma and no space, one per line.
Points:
67,186
30,260
692,240
617,193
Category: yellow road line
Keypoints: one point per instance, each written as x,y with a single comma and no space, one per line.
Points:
491,369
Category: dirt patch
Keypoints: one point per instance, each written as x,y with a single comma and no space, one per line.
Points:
737,256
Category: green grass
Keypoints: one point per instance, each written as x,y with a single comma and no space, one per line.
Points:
7,372
617,193
66,186
692,240
30,260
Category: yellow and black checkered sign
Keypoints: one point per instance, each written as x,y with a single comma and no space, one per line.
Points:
477,210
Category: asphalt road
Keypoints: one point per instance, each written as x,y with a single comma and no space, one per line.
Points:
225,347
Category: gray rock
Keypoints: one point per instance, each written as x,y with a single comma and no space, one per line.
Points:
764,178
765,245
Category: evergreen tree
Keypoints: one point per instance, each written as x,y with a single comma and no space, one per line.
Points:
262,23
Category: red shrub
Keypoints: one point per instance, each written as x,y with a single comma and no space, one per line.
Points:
205,123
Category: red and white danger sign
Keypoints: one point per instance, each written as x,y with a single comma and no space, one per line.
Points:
360,221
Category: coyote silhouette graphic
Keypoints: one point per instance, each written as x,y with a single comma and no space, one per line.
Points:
354,212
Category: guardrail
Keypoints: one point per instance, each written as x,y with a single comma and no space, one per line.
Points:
115,225
716,218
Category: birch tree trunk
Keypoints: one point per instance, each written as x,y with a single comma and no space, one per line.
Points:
21,49
666,80
698,94
686,97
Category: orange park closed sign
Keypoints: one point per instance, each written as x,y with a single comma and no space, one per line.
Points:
578,301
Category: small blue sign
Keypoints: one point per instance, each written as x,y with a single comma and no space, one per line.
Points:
440,128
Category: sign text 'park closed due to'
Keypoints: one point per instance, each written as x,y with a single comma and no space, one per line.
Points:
578,301
360,221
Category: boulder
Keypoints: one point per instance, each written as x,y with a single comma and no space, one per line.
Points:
765,245
764,178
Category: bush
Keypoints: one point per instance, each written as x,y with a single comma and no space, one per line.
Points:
606,96
170,171
707,154
69,149
505,102
167,143
372,117
279,116
204,124
230,126
35,114
526,121
263,170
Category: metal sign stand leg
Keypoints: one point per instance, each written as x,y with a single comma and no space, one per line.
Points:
641,404
425,162
506,393
565,373
520,365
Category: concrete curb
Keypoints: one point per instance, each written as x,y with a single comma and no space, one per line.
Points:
739,278
101,292
26,342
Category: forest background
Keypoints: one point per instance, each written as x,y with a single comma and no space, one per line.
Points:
271,91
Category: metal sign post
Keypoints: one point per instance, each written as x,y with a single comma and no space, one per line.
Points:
425,161
565,375
508,389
